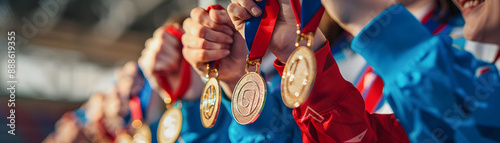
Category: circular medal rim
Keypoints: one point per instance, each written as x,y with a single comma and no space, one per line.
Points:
300,99
211,122
233,104
147,130
165,114
124,136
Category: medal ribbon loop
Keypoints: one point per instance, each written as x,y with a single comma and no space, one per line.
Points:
258,31
308,15
135,111
212,65
185,73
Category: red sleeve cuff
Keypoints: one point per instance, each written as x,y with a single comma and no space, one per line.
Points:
329,86
279,66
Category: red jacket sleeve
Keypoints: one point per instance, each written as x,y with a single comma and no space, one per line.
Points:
335,110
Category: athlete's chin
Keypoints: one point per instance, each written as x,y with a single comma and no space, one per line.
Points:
482,34
474,33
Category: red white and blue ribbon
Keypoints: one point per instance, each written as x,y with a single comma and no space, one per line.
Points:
310,14
258,30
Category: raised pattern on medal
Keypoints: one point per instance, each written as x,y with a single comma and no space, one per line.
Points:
298,77
170,126
248,98
210,103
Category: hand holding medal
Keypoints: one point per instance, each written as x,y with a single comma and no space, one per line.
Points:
142,133
211,95
300,69
211,35
210,98
171,121
249,94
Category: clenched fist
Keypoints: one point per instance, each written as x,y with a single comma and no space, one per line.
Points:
210,35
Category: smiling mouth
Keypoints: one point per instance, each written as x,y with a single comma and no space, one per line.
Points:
466,4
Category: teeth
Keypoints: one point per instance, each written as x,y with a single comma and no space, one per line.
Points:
472,3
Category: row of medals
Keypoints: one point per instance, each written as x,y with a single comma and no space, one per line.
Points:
248,97
169,129
249,94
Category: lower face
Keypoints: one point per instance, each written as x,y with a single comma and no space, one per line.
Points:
482,19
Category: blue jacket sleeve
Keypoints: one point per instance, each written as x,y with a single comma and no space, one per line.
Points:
275,124
438,93
192,129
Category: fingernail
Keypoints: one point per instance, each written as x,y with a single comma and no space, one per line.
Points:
256,11
226,52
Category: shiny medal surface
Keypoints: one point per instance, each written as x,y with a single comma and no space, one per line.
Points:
210,100
170,125
142,134
249,96
299,74
123,137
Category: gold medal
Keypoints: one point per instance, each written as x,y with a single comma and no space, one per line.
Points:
123,137
210,101
170,125
249,96
299,74
142,134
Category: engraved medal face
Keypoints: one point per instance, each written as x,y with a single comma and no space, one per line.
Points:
298,77
210,103
170,126
248,98
142,134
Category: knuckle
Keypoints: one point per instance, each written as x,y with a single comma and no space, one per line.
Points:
202,55
184,54
196,12
218,46
216,16
201,32
204,43
185,39
186,23
231,8
245,3
211,25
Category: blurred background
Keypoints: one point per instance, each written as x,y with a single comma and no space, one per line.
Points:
68,49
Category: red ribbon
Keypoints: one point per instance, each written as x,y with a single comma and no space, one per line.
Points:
265,31
101,127
310,26
185,71
135,108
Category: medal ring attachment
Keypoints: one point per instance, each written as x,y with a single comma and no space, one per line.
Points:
304,36
251,63
213,70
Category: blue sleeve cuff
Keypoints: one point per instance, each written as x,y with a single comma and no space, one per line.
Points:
392,39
